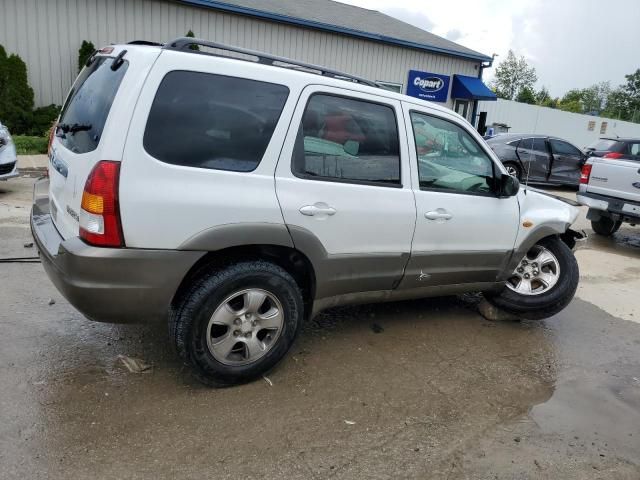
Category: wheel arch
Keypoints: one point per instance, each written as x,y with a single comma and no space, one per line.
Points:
296,263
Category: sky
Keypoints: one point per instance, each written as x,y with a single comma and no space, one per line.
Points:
571,43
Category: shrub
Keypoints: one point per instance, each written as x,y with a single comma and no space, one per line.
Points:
190,34
16,96
43,118
30,145
86,50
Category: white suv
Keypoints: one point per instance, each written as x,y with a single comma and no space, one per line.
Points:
235,197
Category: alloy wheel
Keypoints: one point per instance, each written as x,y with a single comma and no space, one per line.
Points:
245,326
537,273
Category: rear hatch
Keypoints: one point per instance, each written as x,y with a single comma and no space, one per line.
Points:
93,126
615,178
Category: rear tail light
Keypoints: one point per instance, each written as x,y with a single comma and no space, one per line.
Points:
585,173
52,135
100,212
613,155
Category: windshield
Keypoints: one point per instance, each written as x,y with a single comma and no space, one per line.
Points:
85,113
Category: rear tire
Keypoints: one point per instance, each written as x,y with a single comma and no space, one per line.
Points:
605,226
234,324
542,302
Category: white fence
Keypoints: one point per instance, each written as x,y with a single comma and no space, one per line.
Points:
579,129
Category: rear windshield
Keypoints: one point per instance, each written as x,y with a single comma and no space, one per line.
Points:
85,113
212,121
602,145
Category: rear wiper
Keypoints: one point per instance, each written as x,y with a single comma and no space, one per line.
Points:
73,128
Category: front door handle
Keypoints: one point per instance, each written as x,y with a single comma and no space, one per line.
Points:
317,209
439,214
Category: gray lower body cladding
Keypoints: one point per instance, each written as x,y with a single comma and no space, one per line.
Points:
107,284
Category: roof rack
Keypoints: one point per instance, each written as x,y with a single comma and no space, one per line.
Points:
182,44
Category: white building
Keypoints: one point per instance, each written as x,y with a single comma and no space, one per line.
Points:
48,33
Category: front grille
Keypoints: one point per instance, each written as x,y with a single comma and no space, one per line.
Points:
6,168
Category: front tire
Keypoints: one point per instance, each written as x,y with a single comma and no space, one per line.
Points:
514,170
234,324
605,226
543,283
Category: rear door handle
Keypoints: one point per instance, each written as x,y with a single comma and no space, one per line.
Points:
317,209
439,214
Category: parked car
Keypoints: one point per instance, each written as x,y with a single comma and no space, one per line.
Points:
610,187
234,199
541,158
8,158
628,148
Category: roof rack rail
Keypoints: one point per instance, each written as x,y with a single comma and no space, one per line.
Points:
183,43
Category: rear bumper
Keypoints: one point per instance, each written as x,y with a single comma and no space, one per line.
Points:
619,208
118,285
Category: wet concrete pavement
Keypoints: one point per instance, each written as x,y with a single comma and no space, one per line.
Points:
437,392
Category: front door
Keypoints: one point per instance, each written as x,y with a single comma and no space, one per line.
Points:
536,159
464,232
344,188
566,162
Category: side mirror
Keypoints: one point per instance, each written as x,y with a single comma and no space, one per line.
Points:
509,186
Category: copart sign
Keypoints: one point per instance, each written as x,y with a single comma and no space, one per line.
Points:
428,86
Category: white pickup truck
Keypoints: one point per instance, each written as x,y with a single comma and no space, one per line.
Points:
610,187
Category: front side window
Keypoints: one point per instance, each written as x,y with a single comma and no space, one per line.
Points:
564,148
88,104
213,121
536,144
347,140
449,158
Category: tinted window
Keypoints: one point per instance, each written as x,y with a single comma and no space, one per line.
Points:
88,105
537,144
212,121
449,158
348,140
563,148
633,148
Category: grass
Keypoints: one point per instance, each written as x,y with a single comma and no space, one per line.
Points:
26,145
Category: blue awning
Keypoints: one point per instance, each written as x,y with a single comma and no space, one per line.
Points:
472,88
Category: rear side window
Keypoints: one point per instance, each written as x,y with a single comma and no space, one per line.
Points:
348,140
88,105
563,148
213,121
537,144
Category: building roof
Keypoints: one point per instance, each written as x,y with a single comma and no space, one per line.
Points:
349,20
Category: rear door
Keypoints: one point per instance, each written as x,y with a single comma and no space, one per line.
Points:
344,188
92,127
566,162
534,154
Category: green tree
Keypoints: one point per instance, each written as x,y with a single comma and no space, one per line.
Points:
572,101
16,96
632,91
512,75
542,95
617,105
190,34
526,95
594,98
85,51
